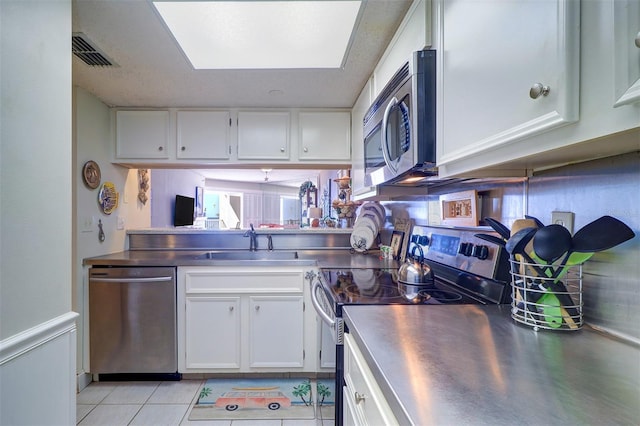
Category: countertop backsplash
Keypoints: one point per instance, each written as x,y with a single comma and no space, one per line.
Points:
611,186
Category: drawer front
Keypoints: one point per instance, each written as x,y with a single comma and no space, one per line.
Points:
362,389
247,280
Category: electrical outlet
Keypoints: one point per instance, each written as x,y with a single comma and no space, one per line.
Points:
563,218
120,222
87,224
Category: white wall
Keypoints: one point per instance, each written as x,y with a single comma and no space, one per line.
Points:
92,141
36,213
166,184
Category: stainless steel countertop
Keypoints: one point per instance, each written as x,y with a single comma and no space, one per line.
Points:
320,258
473,365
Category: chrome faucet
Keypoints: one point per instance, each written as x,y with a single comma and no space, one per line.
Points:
253,241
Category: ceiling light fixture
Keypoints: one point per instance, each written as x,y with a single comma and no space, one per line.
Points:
262,34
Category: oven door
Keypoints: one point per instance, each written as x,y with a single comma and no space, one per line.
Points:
324,308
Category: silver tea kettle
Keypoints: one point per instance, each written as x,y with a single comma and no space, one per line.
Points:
414,271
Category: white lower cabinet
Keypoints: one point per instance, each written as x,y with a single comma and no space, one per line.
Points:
212,320
244,319
275,340
363,401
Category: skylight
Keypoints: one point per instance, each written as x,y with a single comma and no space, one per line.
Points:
261,34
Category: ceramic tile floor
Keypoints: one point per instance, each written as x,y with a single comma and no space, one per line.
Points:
154,404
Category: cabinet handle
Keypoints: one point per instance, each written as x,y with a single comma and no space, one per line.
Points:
257,308
538,90
359,397
230,308
184,148
160,148
281,149
305,149
638,39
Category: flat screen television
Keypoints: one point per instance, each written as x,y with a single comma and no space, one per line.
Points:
184,211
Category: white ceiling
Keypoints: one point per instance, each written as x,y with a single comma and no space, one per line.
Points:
153,72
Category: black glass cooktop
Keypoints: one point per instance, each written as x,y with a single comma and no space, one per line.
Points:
381,286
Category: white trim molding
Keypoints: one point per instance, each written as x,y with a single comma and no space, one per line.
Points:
34,337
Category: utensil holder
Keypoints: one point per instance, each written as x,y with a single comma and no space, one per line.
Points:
544,302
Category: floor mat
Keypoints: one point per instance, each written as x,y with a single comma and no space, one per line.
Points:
234,399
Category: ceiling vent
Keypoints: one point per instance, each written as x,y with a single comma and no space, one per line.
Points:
84,49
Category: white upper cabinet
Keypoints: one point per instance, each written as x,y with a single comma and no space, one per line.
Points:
203,135
142,134
508,71
414,33
626,18
324,136
263,135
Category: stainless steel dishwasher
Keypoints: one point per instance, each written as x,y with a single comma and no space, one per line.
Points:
132,321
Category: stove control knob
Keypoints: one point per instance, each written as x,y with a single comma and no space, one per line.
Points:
466,249
481,252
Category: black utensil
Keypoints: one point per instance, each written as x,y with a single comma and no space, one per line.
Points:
492,239
551,242
536,220
518,241
498,227
601,234
515,246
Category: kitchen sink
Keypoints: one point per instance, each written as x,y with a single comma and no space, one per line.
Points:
250,255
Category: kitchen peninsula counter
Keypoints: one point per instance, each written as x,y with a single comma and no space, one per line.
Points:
327,258
474,365
317,247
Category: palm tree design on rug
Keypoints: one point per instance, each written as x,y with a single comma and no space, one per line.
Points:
205,392
302,390
323,391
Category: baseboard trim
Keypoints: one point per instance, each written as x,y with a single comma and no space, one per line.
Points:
34,337
83,380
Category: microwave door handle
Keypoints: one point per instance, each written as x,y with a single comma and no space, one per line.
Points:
317,285
385,146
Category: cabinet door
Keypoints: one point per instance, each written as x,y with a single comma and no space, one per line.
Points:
212,332
626,25
263,135
324,136
203,135
142,134
498,59
368,400
276,328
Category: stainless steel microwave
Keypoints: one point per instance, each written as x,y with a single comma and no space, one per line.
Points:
400,125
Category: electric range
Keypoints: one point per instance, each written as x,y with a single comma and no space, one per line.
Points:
467,270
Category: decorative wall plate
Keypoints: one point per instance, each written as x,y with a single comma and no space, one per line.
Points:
91,174
108,197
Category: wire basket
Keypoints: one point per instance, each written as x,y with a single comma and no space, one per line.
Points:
546,296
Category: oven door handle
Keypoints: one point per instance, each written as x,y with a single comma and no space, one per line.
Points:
317,285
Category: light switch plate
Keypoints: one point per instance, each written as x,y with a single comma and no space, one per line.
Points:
563,218
88,224
120,223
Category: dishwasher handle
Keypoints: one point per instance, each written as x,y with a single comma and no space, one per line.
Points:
130,280
317,285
